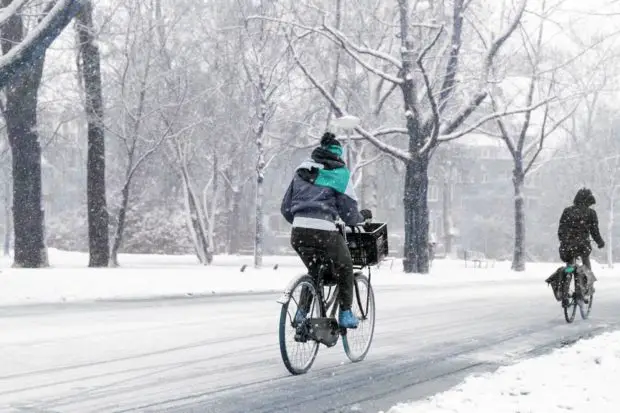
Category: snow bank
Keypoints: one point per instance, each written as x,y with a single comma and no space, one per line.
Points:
581,378
147,276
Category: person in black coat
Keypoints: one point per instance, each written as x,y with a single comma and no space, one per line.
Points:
577,223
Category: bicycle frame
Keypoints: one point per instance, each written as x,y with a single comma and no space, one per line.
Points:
325,304
330,303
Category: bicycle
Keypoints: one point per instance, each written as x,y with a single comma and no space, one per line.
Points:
318,294
578,293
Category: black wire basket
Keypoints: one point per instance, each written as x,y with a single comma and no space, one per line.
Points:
368,246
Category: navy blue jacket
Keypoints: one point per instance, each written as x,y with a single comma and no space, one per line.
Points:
308,200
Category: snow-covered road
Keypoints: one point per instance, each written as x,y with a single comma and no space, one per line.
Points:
220,354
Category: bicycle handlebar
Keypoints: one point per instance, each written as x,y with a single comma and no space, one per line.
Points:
361,224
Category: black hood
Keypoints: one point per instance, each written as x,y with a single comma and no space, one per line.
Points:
584,198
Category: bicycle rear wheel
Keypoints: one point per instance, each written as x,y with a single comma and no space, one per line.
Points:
569,303
297,349
357,341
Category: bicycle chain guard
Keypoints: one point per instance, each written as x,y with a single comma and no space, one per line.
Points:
325,330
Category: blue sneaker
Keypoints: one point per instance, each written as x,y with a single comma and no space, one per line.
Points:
347,319
300,316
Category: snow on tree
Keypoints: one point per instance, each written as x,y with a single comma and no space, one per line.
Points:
32,46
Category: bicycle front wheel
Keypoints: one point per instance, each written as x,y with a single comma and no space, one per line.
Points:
357,341
297,349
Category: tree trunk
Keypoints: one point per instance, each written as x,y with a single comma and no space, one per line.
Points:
8,219
227,224
447,211
98,220
210,205
416,258
120,224
518,260
260,177
370,188
21,123
260,230
195,221
610,227
338,56
235,222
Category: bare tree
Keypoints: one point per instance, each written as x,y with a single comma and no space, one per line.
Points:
426,103
525,143
525,138
145,123
183,146
266,68
200,218
89,65
20,113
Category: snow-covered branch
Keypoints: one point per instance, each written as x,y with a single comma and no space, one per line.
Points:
367,162
363,50
546,132
429,89
504,134
393,151
479,97
352,49
449,79
12,9
38,40
470,108
499,42
528,115
493,116
382,132
384,98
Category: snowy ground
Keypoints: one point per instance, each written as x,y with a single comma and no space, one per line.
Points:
146,276
219,353
582,378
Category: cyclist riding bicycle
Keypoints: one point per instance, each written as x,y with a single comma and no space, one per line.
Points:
320,192
577,223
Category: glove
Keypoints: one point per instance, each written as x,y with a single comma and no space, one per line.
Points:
366,214
601,245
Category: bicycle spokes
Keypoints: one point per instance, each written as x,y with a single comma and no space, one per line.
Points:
357,341
297,348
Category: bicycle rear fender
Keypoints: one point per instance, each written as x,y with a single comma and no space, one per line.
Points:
286,295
